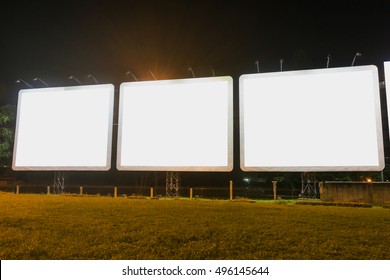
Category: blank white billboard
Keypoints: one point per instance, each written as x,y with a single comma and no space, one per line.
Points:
387,75
64,128
387,84
314,120
176,125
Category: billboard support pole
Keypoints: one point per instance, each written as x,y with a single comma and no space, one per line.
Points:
173,178
231,190
274,187
172,183
309,189
59,182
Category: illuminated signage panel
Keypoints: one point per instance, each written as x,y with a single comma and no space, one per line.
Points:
64,128
176,125
314,120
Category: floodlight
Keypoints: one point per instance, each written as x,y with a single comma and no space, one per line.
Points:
327,61
313,120
64,128
43,82
357,54
176,125
191,71
212,71
151,73
75,79
132,74
24,82
281,64
257,66
93,78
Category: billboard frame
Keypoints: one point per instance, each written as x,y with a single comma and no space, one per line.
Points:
64,90
178,168
308,168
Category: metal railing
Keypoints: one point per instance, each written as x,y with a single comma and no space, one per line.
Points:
207,192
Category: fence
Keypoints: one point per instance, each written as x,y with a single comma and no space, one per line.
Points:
210,192
376,193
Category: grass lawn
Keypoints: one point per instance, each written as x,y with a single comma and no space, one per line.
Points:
70,227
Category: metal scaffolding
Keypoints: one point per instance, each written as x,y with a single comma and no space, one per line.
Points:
59,182
309,185
172,183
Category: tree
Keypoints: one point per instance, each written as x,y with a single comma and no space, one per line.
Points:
7,133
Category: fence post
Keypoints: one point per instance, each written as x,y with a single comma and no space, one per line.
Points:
275,185
151,192
115,191
17,189
48,189
231,190
81,190
321,187
190,193
370,192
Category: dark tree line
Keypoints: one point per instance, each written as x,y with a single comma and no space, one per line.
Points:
7,134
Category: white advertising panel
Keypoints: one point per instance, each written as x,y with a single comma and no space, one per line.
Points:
176,125
64,128
314,120
387,84
387,75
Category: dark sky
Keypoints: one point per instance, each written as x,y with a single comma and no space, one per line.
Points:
52,40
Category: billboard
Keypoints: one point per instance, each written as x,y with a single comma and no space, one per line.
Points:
313,120
176,125
387,75
387,84
64,128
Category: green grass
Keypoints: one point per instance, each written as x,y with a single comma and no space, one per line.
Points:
69,227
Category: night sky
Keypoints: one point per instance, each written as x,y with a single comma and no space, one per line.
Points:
56,39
